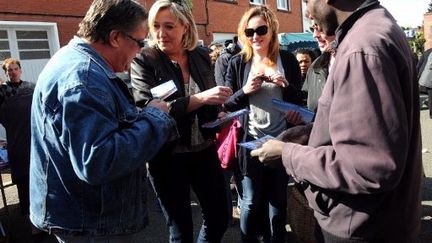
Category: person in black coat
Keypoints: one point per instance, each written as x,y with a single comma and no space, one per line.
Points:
222,61
192,161
15,117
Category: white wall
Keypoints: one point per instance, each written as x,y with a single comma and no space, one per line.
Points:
223,36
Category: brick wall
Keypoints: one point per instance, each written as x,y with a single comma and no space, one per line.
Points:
67,14
210,15
427,28
66,26
46,7
224,16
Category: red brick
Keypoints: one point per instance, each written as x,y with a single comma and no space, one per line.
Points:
222,16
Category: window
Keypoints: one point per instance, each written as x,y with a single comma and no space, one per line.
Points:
283,5
4,45
257,2
33,44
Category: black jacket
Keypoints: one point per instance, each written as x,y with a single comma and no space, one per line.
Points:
153,67
222,62
15,117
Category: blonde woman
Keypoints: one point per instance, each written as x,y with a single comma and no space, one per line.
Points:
260,73
190,162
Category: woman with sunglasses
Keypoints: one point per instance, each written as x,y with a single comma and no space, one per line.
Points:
192,161
259,74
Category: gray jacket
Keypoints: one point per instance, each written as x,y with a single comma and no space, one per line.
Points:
362,167
315,79
426,75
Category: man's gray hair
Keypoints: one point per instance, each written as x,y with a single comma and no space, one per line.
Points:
103,16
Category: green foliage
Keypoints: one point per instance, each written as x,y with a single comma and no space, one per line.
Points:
417,43
429,10
189,4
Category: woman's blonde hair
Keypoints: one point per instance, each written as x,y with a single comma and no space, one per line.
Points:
273,26
183,15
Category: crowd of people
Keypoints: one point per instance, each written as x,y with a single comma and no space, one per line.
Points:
80,138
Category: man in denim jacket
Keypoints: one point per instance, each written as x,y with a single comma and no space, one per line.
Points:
90,142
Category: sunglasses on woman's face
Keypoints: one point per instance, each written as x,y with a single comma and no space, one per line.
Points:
262,30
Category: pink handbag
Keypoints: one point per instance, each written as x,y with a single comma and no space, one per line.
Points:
226,141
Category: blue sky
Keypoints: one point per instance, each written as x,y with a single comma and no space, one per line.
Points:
408,13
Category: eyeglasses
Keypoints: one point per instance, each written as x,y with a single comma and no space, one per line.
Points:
262,30
140,43
313,27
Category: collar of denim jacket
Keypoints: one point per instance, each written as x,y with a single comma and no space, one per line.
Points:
85,48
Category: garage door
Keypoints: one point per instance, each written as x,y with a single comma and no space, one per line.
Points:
32,43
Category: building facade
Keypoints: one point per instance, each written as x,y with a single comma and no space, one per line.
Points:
427,30
35,30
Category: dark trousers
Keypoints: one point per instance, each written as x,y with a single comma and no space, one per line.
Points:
172,180
22,184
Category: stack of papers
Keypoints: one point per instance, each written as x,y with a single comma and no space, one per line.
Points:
307,115
164,90
228,117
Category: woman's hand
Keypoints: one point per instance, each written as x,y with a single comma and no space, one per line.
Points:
214,96
279,79
253,84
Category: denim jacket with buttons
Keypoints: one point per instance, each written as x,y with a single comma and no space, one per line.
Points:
89,147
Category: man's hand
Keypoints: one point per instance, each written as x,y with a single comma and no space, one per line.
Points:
269,151
160,104
298,134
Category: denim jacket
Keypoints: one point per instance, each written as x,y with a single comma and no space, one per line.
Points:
89,147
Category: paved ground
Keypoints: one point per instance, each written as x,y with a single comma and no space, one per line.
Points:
157,231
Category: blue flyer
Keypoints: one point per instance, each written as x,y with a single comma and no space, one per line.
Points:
256,143
228,117
307,115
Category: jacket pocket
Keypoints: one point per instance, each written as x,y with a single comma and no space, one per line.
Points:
127,117
322,201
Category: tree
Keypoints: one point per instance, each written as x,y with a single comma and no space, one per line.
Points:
417,43
429,10
189,3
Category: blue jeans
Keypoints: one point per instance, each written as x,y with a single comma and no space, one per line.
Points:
172,180
264,203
